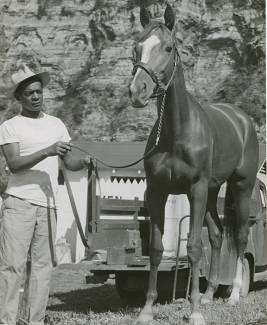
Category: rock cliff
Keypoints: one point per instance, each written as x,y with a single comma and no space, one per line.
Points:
86,47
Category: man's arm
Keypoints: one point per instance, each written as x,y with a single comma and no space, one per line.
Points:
17,163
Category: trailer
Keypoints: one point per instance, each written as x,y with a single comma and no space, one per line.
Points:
120,229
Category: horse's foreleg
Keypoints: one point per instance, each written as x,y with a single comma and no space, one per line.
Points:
156,207
215,236
198,201
242,200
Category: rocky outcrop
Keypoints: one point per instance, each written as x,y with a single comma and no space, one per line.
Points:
86,47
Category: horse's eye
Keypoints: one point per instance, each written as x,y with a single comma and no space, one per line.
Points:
168,48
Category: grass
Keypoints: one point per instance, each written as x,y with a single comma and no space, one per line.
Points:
72,301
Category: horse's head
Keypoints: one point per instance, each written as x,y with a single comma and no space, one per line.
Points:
154,56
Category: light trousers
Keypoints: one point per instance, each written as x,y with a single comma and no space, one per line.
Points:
24,228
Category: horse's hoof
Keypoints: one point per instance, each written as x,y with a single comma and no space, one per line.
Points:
144,318
142,321
234,298
207,298
233,301
196,318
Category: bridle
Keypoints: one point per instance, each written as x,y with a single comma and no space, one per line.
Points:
160,88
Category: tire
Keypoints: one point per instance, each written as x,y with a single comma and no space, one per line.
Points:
203,284
246,278
120,281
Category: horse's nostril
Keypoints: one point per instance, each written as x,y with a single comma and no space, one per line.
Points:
144,87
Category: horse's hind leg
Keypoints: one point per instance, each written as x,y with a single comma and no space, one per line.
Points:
215,236
156,208
242,201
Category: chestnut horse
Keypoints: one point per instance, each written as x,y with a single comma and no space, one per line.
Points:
192,150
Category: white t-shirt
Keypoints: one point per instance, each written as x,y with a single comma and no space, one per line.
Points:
39,184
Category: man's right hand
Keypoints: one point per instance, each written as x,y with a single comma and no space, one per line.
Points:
59,148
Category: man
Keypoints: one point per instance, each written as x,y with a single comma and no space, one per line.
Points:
32,144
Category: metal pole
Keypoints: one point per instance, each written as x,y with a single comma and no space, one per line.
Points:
177,256
188,282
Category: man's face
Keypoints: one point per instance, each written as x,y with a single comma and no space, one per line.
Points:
31,96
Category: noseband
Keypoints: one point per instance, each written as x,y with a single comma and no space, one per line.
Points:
160,87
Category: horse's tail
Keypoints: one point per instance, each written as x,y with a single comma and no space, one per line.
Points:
230,222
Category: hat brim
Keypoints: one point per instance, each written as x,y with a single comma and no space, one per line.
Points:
43,76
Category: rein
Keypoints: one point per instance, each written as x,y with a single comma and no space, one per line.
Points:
114,166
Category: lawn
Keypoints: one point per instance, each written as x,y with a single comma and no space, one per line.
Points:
72,301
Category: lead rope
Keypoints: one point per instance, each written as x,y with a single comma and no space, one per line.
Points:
145,155
94,166
164,89
161,113
74,208
162,106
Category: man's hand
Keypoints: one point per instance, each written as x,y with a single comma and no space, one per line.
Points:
59,148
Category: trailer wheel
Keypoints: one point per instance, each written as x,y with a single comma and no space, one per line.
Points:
246,278
120,281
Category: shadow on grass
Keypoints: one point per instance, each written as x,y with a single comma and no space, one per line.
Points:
98,299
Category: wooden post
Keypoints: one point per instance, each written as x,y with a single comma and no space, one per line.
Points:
90,224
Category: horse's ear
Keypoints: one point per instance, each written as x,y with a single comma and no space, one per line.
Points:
169,17
144,16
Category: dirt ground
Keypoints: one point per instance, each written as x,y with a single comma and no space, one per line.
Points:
72,301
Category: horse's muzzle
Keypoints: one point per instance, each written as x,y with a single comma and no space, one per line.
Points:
138,95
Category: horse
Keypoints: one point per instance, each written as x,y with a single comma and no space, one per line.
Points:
191,150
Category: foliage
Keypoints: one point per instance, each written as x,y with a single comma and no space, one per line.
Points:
66,12
43,5
247,91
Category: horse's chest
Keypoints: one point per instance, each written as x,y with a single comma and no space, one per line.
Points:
170,172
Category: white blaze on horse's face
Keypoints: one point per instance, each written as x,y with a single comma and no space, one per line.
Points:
147,46
139,85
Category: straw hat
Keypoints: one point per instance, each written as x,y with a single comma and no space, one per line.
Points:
25,73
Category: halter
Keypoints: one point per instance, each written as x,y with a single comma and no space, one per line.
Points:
160,88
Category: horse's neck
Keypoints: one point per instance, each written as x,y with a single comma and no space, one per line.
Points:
177,113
